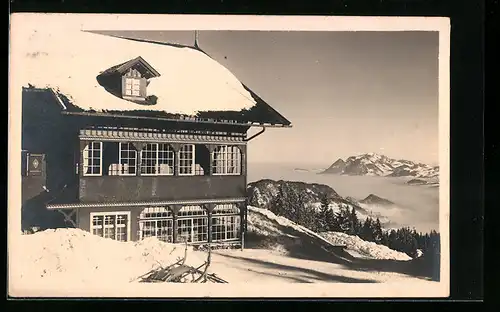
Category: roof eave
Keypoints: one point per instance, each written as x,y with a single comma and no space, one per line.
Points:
195,120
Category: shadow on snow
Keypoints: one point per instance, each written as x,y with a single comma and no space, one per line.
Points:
307,247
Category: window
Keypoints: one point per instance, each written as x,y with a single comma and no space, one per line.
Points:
226,160
186,160
226,223
114,225
156,222
192,224
132,86
128,159
92,159
157,159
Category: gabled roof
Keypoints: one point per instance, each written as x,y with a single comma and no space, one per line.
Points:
122,68
192,85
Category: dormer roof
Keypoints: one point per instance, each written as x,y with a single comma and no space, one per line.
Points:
139,63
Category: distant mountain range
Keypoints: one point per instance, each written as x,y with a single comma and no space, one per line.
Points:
372,164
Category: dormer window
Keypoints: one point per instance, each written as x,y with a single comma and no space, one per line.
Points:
133,76
132,86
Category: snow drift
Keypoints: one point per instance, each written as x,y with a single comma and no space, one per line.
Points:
62,255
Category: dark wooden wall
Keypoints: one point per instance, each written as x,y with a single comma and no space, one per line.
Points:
143,188
44,131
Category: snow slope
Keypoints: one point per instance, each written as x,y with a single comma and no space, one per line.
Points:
68,60
265,227
73,262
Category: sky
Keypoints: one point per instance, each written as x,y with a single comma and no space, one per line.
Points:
346,93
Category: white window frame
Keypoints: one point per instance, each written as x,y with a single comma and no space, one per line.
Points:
181,218
110,213
157,160
225,216
128,158
157,219
86,158
130,91
226,160
193,160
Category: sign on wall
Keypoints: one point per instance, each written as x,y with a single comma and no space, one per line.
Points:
35,164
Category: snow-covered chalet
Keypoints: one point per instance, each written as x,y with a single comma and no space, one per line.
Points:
129,139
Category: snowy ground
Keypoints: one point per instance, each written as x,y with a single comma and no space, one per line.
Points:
277,251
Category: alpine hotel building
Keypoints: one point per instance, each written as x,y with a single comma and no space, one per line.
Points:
131,143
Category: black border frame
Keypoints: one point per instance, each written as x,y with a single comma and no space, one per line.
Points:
466,120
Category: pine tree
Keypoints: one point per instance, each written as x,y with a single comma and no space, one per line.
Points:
354,222
332,222
365,231
323,214
278,204
343,219
378,235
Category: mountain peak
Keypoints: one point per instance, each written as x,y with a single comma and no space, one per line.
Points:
373,164
373,199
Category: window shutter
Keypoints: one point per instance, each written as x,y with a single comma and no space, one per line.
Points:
143,87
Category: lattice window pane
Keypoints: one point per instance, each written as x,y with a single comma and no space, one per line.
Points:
166,159
188,211
92,154
149,159
226,209
114,226
132,86
164,230
97,222
155,213
128,159
226,222
156,222
186,160
192,230
226,160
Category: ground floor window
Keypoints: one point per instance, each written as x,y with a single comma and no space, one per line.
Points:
156,222
192,224
226,224
114,225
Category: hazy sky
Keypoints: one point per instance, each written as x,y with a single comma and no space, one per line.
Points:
345,93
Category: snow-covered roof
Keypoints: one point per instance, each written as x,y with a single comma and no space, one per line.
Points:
189,83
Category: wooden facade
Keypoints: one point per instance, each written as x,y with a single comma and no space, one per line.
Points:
96,201
131,176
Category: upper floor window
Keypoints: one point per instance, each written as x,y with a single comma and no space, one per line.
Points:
186,160
127,159
157,159
92,159
226,160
